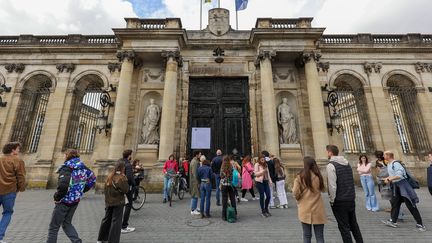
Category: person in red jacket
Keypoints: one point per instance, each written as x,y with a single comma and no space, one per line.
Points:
170,168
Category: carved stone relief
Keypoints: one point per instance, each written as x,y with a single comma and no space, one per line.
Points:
284,75
154,75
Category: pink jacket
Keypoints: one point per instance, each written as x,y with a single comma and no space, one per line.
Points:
364,169
247,171
259,173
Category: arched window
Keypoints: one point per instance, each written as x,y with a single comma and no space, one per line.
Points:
353,110
407,115
83,115
31,111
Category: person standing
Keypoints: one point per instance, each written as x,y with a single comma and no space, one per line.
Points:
307,189
216,164
169,169
194,165
227,189
247,180
271,170
12,181
402,192
116,186
429,173
74,180
367,182
205,174
263,182
280,183
127,157
342,195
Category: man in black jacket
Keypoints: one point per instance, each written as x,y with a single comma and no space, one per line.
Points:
216,164
127,157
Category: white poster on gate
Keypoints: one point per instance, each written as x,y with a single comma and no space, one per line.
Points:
200,138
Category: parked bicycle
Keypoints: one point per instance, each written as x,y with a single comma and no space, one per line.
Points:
140,195
177,186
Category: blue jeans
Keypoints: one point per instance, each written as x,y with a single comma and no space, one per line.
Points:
264,188
205,190
167,181
8,202
307,233
217,179
369,190
194,203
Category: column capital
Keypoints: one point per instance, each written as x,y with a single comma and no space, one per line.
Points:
264,54
68,67
175,55
372,67
311,55
129,55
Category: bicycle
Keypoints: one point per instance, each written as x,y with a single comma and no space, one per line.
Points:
139,196
175,187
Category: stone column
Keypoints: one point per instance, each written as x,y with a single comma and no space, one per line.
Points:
316,107
167,128
54,114
271,135
121,107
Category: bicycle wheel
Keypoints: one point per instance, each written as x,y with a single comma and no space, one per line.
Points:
181,190
140,199
170,194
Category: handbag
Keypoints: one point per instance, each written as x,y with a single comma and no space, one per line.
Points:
414,183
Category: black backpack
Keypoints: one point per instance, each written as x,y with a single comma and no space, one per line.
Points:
410,177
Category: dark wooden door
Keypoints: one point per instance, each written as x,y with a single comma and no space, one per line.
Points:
222,104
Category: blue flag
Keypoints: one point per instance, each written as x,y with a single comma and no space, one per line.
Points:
241,4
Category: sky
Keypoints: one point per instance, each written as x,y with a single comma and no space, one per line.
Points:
41,17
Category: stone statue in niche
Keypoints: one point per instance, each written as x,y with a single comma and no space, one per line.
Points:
287,122
150,128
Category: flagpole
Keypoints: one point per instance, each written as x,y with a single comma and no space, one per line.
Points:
219,4
236,19
201,2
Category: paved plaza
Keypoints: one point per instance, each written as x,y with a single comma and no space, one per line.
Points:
157,222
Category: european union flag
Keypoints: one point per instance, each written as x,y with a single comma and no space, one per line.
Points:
241,4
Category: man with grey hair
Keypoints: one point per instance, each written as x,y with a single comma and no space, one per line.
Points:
402,192
216,164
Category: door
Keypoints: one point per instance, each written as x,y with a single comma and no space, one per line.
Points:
221,104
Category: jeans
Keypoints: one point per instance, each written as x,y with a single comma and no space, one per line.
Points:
110,228
345,215
396,203
167,181
228,191
251,192
127,210
62,216
263,188
217,179
205,190
369,190
307,233
8,202
194,203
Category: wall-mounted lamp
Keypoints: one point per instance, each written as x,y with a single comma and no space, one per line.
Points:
102,120
335,117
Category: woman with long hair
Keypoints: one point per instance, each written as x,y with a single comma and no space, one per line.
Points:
263,182
365,172
280,183
116,187
247,180
170,168
227,189
307,189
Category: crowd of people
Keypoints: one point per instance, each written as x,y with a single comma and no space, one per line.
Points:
229,172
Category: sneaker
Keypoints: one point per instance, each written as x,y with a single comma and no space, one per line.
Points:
264,215
255,198
238,199
197,209
96,241
243,199
127,230
420,228
195,212
285,206
269,214
272,207
390,223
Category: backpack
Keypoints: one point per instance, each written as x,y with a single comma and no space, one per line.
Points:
231,215
409,176
235,178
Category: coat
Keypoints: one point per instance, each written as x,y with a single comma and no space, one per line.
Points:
194,165
115,194
259,173
310,204
247,171
12,174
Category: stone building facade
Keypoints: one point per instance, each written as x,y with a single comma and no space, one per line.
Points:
251,89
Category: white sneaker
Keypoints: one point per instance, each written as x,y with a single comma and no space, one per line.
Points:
127,230
272,207
195,212
255,198
244,199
